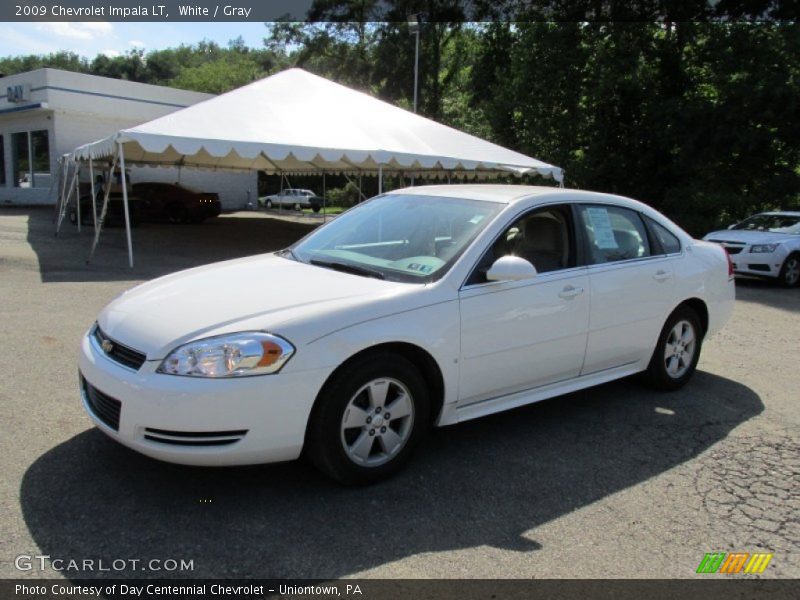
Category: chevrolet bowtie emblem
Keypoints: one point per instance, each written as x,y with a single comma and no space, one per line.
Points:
107,346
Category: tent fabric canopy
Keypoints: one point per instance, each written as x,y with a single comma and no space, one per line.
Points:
297,122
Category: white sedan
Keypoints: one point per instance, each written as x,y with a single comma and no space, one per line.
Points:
424,306
764,245
298,199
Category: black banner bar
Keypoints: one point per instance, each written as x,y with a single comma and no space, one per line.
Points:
384,589
210,11
154,10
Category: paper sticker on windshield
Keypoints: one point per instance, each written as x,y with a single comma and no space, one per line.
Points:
601,225
477,219
419,267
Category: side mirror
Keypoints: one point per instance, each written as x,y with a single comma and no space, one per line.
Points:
510,268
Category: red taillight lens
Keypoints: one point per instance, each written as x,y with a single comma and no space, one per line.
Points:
730,264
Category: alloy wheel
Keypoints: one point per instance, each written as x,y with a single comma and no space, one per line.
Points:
679,349
791,271
377,422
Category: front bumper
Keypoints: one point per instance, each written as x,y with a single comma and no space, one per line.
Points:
761,264
193,421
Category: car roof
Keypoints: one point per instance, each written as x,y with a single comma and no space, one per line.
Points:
510,194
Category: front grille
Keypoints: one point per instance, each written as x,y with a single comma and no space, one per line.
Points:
104,407
133,359
194,438
731,247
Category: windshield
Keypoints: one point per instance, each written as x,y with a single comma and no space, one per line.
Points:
775,223
398,237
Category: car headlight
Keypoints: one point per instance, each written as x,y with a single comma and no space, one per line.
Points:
232,355
763,248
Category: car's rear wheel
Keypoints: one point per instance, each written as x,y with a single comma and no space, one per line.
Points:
368,419
177,213
297,206
678,349
790,271
268,204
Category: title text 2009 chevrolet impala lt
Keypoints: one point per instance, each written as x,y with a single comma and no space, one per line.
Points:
425,306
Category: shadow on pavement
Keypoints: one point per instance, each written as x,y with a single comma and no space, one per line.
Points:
158,248
769,293
485,482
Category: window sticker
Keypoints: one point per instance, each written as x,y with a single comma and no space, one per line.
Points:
477,219
419,267
601,224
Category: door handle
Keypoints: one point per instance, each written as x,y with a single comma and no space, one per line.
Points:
570,292
662,275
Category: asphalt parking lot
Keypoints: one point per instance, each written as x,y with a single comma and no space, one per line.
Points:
617,481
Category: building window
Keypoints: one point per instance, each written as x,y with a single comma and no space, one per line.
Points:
31,158
2,160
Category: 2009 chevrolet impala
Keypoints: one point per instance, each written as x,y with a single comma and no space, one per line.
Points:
424,306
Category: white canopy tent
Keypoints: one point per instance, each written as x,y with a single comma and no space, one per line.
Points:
294,122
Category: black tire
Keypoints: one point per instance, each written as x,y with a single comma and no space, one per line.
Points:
327,436
790,271
297,207
73,216
316,209
658,374
268,204
177,213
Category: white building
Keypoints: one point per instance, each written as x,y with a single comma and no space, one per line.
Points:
48,112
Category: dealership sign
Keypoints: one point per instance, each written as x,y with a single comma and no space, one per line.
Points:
18,93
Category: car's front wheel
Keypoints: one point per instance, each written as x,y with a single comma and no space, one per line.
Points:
677,351
790,271
368,419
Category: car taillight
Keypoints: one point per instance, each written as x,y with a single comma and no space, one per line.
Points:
730,265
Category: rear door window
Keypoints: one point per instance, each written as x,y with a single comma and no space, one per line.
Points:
613,233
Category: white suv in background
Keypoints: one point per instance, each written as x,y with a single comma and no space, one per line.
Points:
764,245
298,199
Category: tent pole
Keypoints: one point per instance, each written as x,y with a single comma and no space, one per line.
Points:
380,179
59,185
280,195
361,195
65,204
106,195
125,203
63,186
324,199
94,202
78,194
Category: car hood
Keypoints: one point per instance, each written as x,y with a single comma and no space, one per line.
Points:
749,237
262,292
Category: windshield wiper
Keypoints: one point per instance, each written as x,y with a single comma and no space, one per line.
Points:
347,268
287,253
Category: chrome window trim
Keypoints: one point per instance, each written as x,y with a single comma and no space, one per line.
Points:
549,276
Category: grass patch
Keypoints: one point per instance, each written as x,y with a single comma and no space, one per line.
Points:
329,210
